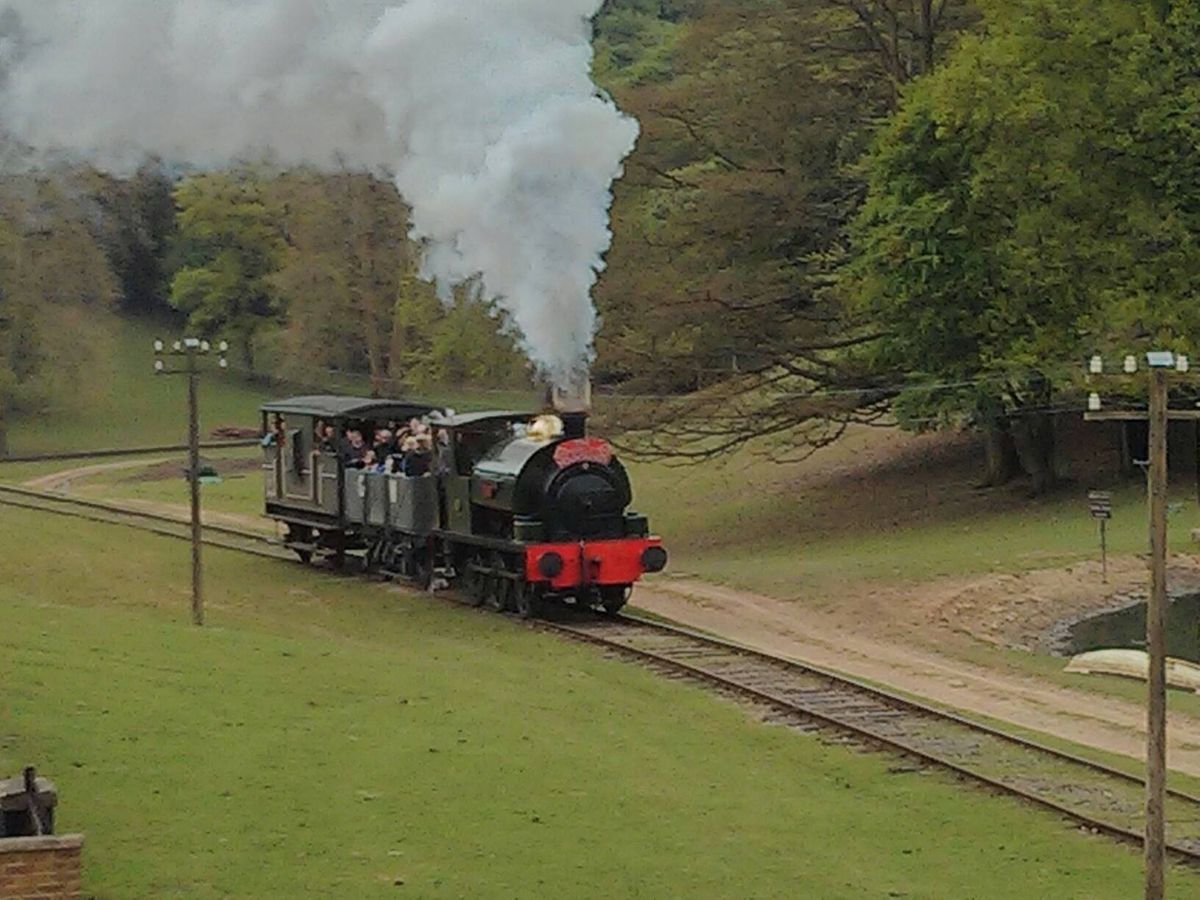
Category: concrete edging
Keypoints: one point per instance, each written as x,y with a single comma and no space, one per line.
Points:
46,842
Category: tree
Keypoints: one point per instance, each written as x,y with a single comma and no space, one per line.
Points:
731,222
229,246
136,229
1017,215
55,285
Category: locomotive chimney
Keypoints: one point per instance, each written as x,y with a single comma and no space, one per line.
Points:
573,401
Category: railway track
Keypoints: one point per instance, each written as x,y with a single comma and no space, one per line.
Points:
1096,797
222,536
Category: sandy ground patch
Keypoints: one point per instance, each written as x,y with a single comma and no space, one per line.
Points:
63,482
870,638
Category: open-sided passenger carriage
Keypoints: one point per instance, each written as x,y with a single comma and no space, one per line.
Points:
332,510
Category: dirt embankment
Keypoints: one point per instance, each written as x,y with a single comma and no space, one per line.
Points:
925,637
914,653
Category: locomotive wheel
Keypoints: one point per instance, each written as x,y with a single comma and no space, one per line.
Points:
498,587
613,597
422,569
473,583
497,593
529,601
301,535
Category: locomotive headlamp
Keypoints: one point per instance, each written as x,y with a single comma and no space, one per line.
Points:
654,559
550,564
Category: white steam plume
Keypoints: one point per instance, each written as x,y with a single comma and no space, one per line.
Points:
483,110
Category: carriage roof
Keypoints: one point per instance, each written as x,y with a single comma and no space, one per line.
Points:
335,407
467,420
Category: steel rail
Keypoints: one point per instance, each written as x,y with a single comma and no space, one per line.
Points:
154,523
121,509
129,451
901,700
865,733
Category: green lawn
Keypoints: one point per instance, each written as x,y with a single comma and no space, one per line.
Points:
129,406
240,491
126,405
330,737
743,522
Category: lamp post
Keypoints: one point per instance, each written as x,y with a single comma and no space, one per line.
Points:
188,352
1164,368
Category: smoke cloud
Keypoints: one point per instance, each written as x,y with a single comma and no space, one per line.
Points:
483,111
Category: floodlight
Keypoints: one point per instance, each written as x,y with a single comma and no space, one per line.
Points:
1094,403
1096,365
178,346
223,346
1130,365
1162,359
158,347
224,363
159,365
205,346
1182,364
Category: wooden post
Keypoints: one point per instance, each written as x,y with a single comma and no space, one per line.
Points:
193,377
1104,550
1156,734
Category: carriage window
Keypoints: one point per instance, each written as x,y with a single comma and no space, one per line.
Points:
471,446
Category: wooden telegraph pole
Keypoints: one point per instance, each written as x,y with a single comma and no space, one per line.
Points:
1156,644
190,350
1162,367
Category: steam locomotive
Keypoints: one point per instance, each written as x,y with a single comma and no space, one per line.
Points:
519,511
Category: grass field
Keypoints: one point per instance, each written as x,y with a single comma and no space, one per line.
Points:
330,737
786,532
128,406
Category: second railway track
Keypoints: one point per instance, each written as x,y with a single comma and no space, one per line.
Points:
1094,796
223,536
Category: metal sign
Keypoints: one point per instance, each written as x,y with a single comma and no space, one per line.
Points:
1100,504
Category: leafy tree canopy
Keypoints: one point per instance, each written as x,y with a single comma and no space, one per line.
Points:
1029,203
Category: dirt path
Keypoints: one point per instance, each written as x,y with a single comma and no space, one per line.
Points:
62,482
787,629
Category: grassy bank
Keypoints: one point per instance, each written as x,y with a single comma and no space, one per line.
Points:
126,405
329,737
804,531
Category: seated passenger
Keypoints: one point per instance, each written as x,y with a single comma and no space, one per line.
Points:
328,440
383,444
354,450
323,437
419,461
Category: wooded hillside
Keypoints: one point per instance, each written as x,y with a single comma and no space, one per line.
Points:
838,211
